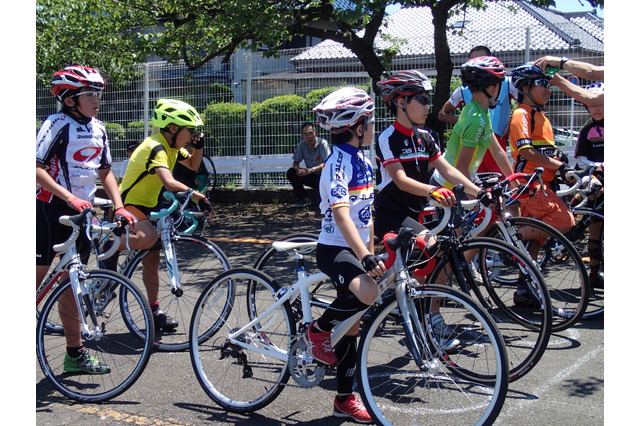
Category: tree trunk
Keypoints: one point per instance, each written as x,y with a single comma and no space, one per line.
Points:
444,67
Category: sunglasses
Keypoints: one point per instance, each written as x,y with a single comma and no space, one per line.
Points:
91,95
542,83
424,100
191,130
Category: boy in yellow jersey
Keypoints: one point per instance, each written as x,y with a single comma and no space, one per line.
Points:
149,171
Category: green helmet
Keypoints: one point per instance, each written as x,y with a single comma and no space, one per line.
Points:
168,111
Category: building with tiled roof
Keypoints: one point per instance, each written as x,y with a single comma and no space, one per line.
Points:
514,30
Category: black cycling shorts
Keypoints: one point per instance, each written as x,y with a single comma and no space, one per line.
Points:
340,264
49,231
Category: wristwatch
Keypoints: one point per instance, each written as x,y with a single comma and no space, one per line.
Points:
563,61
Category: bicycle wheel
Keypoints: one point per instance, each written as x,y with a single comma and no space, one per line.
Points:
199,261
561,266
212,176
246,373
53,327
581,234
526,329
113,344
468,386
282,267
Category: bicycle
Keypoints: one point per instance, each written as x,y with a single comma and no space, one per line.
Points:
491,270
588,210
281,261
211,177
105,322
248,357
187,264
557,259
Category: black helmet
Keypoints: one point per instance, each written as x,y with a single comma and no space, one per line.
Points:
403,83
481,72
525,74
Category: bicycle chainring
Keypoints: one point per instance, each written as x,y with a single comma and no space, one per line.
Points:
305,370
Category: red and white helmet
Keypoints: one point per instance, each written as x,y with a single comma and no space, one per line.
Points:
481,72
71,79
344,108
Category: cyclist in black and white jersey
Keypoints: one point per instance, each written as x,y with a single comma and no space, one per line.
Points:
345,250
72,150
405,153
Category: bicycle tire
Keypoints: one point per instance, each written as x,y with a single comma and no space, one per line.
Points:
467,386
126,354
526,330
282,267
53,327
237,379
595,307
212,175
199,261
562,268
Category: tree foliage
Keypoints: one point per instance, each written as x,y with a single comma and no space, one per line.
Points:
112,34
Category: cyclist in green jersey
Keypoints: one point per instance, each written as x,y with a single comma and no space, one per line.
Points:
473,134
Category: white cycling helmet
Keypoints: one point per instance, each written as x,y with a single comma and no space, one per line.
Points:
344,108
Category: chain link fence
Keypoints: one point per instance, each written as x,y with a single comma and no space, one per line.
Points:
253,106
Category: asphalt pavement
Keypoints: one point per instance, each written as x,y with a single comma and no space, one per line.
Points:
566,387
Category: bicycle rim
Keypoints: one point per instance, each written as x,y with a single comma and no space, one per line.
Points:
241,379
199,262
126,355
595,308
563,271
465,386
526,329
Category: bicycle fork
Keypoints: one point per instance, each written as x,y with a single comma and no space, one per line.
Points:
409,316
81,295
171,261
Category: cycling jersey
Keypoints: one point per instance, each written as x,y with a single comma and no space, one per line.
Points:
72,154
530,128
473,129
346,180
140,184
591,141
397,145
500,114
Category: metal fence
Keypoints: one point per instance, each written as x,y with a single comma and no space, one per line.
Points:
252,146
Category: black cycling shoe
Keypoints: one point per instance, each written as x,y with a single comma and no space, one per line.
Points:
596,279
164,322
524,297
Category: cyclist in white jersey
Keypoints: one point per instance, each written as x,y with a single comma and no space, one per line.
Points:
72,150
345,246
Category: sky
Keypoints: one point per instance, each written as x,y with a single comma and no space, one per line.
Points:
561,5
575,6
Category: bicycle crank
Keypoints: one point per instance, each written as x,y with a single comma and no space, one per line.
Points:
305,370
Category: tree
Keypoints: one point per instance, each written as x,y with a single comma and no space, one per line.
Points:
111,34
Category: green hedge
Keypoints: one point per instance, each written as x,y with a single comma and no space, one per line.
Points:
275,122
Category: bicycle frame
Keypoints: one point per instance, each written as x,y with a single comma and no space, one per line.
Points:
397,272
166,229
70,261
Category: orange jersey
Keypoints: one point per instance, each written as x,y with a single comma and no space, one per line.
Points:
530,128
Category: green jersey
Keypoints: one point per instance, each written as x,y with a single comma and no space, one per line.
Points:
473,130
